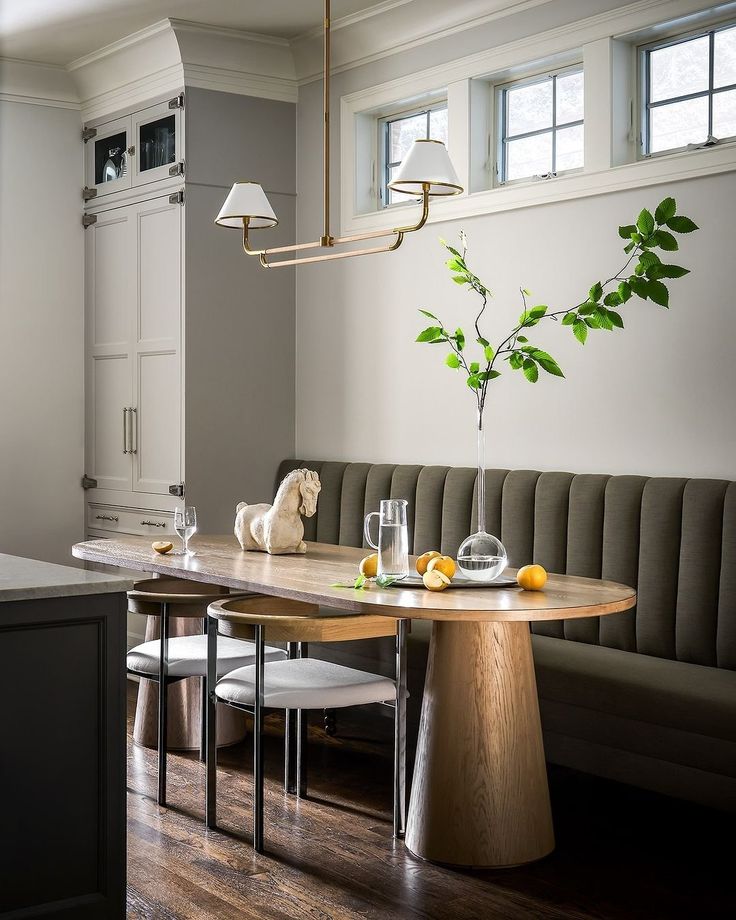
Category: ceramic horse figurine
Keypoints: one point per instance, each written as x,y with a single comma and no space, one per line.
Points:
278,528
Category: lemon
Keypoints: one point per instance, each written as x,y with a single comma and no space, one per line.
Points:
444,564
531,577
369,566
423,561
435,580
162,546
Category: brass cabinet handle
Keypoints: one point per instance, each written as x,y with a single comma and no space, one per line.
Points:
133,430
106,517
125,430
153,524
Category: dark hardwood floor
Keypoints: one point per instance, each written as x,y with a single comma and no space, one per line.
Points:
622,853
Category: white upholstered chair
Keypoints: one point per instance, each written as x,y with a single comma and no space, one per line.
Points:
167,660
297,685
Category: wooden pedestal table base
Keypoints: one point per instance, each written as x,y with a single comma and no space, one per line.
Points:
480,795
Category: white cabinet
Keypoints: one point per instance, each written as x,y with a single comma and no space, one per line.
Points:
134,150
133,331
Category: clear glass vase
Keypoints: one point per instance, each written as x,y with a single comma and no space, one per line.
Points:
482,557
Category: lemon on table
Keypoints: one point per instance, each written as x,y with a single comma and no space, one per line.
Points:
422,563
162,546
444,564
531,577
435,580
369,566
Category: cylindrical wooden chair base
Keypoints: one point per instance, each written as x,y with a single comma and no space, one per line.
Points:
185,698
480,795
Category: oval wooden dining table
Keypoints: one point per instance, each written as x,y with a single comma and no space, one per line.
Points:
479,797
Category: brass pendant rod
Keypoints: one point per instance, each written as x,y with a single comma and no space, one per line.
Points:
356,238
335,255
326,238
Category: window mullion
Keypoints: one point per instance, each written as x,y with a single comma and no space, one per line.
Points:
554,123
711,67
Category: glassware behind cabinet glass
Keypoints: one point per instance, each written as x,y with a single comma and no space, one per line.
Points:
185,524
393,537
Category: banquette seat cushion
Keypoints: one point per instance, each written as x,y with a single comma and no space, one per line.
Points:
647,696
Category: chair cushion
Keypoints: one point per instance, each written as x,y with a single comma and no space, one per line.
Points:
188,655
690,697
306,683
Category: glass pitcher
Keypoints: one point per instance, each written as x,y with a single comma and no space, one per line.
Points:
393,537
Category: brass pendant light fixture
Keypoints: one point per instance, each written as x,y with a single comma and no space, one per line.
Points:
426,171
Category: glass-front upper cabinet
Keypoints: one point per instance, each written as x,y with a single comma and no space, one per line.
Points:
135,149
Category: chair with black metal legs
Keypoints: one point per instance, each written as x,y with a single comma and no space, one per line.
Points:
170,659
297,685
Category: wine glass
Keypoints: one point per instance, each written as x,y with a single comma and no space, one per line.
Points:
185,524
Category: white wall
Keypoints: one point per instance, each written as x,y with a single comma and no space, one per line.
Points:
41,331
657,398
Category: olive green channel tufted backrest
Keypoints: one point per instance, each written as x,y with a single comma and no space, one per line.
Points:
674,540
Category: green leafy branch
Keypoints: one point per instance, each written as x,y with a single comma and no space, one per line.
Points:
599,311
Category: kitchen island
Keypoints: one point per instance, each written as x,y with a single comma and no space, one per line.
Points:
62,741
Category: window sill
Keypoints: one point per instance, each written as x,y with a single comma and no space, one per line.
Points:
667,168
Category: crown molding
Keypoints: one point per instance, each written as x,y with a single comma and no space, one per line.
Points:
36,84
243,84
351,19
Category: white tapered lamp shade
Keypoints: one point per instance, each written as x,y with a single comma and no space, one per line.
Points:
427,163
246,200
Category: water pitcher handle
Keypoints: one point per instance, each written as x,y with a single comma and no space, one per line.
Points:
367,528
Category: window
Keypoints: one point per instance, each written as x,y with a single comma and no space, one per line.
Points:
541,126
397,133
689,91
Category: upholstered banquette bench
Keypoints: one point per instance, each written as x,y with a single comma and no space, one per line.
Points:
647,697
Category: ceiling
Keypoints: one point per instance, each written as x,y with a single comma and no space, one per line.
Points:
60,31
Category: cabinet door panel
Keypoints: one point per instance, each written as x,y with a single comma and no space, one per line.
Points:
110,394
159,273
158,143
110,275
107,160
157,461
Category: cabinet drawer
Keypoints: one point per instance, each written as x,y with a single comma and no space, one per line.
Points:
129,520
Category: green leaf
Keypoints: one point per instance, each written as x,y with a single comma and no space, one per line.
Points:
452,360
625,291
568,319
429,334
665,241
616,319
625,232
521,338
593,321
474,367
515,360
455,265
647,259
428,314
531,371
488,353
604,320
537,312
490,375
596,292
451,249
460,339
473,382
483,342
639,286
658,293
551,366
645,223
671,271
460,279
682,224
665,210
580,331
629,247
385,581
586,308
526,293
614,299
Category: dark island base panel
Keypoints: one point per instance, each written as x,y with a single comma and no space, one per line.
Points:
62,757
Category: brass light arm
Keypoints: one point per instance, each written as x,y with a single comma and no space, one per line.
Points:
335,255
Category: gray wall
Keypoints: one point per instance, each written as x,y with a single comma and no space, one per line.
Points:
656,398
240,318
41,331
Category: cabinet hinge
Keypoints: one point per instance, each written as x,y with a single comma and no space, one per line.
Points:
88,193
88,134
88,482
177,102
88,220
177,169
177,489
177,197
